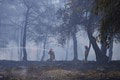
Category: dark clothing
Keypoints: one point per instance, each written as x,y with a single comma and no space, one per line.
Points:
52,55
86,53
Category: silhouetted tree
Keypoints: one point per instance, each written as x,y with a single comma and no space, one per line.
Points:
80,12
109,12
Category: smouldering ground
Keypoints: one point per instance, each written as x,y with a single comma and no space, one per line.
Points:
33,73
59,70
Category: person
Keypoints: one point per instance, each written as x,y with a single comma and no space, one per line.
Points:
52,55
86,52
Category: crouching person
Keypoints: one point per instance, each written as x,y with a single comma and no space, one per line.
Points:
52,55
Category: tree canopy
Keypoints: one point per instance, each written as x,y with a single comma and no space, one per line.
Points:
109,11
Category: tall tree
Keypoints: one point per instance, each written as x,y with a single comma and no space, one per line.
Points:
83,16
28,7
109,12
43,23
68,29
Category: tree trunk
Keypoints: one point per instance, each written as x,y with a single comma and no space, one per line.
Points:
75,46
104,44
103,48
100,58
89,47
21,44
86,56
67,52
111,49
44,47
38,52
25,35
24,46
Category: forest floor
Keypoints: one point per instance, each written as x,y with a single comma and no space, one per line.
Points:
59,70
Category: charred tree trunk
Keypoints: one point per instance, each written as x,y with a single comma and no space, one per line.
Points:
67,48
89,47
100,57
25,35
75,46
104,43
111,49
103,48
87,50
24,46
21,43
38,52
44,47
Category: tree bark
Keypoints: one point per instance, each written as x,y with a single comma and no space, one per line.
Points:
111,49
75,46
100,57
103,48
104,44
24,46
89,47
21,43
44,47
38,51
67,50
25,35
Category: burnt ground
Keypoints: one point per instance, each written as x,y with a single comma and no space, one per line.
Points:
80,65
59,70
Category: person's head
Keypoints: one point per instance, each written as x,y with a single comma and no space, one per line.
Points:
86,47
51,49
